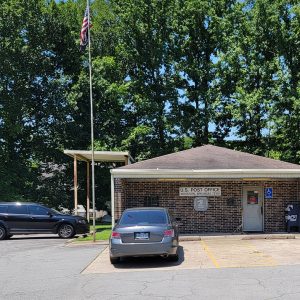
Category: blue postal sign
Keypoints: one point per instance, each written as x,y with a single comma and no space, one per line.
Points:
268,193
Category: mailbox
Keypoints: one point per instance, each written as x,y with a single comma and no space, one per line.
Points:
292,216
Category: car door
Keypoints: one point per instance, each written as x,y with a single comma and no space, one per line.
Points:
18,219
41,218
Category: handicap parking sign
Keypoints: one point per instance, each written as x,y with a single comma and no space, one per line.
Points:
268,193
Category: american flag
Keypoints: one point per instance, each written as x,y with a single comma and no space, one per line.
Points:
84,30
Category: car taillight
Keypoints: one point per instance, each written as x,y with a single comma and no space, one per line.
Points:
169,233
115,235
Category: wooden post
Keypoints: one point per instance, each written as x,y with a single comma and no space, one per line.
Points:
75,185
88,191
126,160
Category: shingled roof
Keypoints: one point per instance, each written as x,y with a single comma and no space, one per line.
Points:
210,157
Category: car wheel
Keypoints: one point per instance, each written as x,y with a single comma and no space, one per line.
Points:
2,233
173,257
114,260
66,231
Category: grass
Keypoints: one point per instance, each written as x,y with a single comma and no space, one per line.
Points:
102,233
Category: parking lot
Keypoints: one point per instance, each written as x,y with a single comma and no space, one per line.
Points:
216,252
213,268
33,267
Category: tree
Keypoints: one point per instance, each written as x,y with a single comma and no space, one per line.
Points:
200,38
34,75
256,88
145,46
286,110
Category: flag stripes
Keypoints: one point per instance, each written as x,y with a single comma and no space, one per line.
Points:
85,30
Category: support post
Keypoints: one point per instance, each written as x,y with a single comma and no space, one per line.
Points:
75,186
112,189
126,160
88,190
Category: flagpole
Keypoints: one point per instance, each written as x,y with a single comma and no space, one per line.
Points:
92,125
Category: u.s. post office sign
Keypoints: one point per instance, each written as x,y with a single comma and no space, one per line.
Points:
200,191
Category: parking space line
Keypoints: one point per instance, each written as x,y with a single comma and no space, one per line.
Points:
209,254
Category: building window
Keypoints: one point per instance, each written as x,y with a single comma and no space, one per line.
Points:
252,197
151,201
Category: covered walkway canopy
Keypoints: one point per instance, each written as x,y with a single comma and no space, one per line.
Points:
99,156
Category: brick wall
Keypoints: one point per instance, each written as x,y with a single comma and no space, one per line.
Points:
120,200
222,215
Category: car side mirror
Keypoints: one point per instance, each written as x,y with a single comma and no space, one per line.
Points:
49,214
116,220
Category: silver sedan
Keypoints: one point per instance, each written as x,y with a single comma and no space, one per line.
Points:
146,231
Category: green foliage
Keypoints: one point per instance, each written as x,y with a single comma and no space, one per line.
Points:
33,83
167,75
103,232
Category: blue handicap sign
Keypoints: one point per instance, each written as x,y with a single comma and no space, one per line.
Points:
268,193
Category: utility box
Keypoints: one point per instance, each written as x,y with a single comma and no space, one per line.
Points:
292,212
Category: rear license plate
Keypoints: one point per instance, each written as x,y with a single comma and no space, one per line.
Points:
141,235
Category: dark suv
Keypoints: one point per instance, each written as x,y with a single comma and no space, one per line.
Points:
29,218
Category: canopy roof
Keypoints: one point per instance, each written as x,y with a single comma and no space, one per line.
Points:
103,156
209,162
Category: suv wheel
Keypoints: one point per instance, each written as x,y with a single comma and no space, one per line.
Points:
66,231
2,233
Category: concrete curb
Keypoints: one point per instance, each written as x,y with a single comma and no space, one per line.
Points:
74,241
191,238
70,241
269,237
84,243
186,238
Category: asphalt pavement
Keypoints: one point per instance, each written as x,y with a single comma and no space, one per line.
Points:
42,267
46,268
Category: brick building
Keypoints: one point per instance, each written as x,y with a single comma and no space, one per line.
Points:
212,189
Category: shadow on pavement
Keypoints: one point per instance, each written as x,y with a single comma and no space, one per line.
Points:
35,237
149,262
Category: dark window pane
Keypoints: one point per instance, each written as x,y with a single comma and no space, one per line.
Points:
17,209
147,217
38,210
151,201
3,209
252,197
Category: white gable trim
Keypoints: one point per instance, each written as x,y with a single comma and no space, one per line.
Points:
230,173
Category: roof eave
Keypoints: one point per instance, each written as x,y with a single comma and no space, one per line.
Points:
106,156
217,173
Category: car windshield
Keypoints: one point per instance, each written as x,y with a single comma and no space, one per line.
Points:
143,217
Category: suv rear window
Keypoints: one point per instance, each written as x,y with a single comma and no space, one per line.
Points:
143,217
3,209
17,209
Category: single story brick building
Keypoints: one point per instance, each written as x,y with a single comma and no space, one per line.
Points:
212,189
